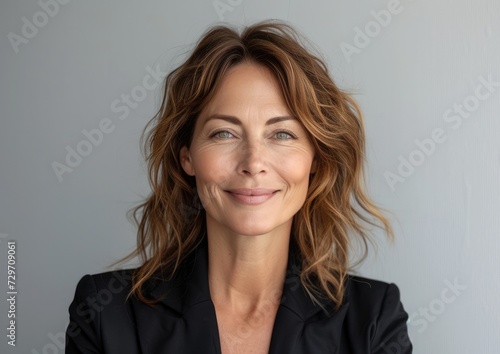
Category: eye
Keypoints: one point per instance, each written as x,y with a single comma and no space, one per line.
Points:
222,134
284,135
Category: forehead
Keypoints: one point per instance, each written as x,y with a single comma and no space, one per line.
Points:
246,86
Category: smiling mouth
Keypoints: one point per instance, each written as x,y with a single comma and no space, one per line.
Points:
252,196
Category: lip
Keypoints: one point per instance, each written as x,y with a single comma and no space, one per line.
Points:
252,196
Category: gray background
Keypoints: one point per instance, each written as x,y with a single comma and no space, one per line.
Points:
426,60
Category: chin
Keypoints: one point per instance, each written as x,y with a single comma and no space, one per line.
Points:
253,229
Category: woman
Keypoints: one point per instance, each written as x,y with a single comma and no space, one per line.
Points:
255,162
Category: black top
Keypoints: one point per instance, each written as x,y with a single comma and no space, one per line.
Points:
102,320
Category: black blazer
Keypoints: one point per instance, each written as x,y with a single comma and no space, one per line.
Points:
102,320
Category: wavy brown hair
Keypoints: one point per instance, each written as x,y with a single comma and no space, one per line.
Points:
171,221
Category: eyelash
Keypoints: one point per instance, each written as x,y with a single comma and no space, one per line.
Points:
214,134
292,136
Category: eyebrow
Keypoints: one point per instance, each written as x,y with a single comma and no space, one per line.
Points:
236,121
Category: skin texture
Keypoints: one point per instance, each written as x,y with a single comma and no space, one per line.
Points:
245,142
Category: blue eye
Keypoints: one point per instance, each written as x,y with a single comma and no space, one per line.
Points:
223,134
283,135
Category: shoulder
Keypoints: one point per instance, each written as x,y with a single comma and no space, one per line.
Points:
371,298
360,289
376,306
112,281
105,285
99,295
100,314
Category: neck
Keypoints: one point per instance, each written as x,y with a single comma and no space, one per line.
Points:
247,272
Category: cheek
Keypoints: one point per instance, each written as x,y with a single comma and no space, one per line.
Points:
296,169
206,162
211,171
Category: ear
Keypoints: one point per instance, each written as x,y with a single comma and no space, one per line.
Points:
186,162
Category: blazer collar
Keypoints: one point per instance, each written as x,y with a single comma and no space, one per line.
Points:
190,286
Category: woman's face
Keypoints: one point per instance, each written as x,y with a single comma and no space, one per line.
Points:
251,159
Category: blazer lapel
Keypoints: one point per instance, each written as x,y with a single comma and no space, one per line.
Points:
184,321
301,326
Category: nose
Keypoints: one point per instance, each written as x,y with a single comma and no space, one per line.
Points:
253,159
